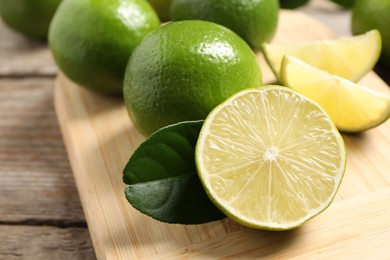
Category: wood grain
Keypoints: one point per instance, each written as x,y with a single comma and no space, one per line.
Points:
100,138
21,56
40,211
36,182
326,237
34,242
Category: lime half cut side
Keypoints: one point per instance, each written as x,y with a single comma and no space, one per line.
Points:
270,158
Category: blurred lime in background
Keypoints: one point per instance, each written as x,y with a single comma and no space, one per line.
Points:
163,8
255,21
29,17
292,4
344,3
92,40
374,14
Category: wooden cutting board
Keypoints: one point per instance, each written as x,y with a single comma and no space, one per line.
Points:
100,139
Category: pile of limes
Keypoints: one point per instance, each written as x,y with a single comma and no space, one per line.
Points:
95,53
268,156
170,73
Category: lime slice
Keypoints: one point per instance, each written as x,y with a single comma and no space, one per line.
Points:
348,57
270,158
352,107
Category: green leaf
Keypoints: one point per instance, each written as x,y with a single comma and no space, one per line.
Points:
162,177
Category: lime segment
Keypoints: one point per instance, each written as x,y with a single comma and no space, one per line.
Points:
352,107
347,57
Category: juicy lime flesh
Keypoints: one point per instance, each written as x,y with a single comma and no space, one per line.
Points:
352,107
255,21
270,158
373,14
348,57
30,17
183,70
92,40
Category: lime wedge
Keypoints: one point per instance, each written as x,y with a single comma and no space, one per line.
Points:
348,57
352,107
270,158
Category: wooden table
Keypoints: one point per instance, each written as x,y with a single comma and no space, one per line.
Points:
40,210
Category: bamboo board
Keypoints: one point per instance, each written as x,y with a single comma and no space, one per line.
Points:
100,139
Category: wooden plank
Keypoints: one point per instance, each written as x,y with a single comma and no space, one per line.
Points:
100,138
355,228
36,184
22,56
331,14
31,242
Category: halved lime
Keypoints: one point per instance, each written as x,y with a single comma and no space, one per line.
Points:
270,158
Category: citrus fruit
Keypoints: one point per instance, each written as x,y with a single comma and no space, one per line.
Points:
344,3
92,40
270,158
291,4
349,57
183,70
29,17
255,21
352,107
373,14
163,8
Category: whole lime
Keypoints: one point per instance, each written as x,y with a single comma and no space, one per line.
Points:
374,14
29,17
183,70
345,3
254,20
163,8
92,40
291,4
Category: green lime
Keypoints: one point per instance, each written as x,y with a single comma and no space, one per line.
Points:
92,40
255,21
29,17
374,14
291,4
183,70
163,8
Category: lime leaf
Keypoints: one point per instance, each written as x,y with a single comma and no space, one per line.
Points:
162,178
174,200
